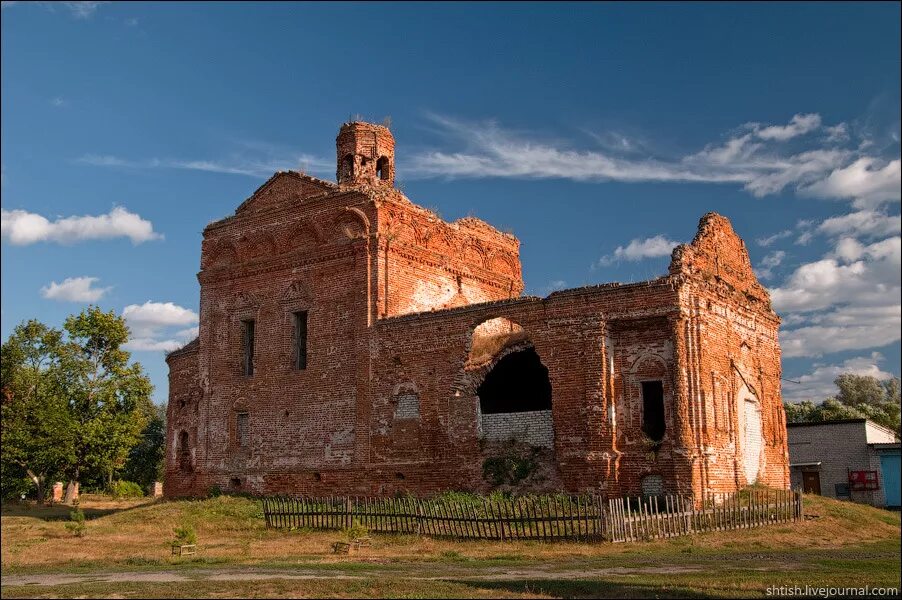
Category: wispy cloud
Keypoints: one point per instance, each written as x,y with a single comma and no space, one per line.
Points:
83,10
798,125
79,10
75,289
255,163
764,159
770,262
770,239
639,249
59,102
21,227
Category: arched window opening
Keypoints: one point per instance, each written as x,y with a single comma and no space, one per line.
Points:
518,383
382,168
653,410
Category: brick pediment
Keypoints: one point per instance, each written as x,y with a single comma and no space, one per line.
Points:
285,186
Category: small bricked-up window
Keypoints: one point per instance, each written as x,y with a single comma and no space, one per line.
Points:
300,340
247,328
184,451
382,168
242,430
653,410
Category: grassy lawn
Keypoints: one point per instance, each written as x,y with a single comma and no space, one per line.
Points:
126,553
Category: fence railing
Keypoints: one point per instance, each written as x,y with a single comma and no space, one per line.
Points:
526,518
546,518
631,519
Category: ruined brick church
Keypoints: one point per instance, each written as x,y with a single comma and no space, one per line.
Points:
352,342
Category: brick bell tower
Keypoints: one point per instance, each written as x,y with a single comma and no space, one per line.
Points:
365,154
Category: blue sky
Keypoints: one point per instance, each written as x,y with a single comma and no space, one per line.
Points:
597,133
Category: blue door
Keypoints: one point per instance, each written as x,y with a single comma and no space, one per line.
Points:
890,464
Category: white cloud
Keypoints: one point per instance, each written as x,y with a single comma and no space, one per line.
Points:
863,223
818,384
769,263
847,300
151,326
639,249
867,181
59,102
22,227
832,280
153,345
799,125
74,289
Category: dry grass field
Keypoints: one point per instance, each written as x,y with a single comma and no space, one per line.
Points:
126,553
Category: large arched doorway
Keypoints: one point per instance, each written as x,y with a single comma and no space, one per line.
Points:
511,384
517,383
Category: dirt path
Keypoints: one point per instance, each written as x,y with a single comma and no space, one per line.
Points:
252,574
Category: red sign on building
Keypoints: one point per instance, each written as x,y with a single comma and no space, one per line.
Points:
861,481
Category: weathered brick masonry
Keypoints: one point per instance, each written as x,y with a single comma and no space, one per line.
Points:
392,351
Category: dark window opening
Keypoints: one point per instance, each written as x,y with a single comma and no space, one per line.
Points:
348,166
400,476
300,340
317,477
653,410
382,168
242,430
236,482
518,383
248,363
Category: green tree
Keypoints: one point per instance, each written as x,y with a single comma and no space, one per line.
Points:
860,396
108,397
37,431
145,462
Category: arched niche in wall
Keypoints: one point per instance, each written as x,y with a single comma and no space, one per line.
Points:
351,224
305,235
751,431
220,255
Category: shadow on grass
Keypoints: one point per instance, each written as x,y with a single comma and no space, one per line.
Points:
60,512
584,588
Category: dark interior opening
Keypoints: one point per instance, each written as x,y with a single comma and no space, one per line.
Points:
235,482
248,347
518,383
382,168
653,410
347,166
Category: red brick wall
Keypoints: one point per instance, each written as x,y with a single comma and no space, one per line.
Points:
393,295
